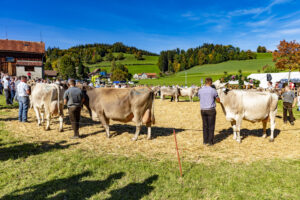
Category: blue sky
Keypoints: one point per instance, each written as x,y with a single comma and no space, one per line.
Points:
152,25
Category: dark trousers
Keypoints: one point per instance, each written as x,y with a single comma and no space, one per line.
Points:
7,96
74,115
209,121
288,107
23,108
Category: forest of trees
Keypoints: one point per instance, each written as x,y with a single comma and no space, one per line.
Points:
178,60
70,63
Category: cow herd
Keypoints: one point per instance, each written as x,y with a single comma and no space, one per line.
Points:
137,105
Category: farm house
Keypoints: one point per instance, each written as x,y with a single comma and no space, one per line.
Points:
17,58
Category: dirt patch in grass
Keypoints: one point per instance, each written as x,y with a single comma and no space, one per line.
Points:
185,118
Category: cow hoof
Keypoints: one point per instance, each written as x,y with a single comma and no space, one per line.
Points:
108,136
271,140
234,137
264,135
149,138
47,129
61,130
134,139
239,141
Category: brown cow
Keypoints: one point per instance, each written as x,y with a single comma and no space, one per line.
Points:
124,105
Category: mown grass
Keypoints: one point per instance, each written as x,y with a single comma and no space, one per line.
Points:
55,171
47,170
3,103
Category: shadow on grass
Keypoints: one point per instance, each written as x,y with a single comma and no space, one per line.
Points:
223,134
119,129
134,191
66,188
28,149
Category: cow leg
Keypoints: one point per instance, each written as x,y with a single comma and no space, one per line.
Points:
48,118
233,124
43,116
238,130
149,130
37,113
61,119
272,123
137,132
105,123
264,129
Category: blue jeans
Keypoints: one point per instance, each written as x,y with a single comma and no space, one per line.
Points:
23,108
12,95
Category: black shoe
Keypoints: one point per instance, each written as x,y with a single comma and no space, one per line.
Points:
210,144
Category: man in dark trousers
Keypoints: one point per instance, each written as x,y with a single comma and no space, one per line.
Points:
73,97
289,102
208,96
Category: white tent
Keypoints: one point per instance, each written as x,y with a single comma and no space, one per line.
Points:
276,77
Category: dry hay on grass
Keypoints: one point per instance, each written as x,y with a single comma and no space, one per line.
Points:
185,118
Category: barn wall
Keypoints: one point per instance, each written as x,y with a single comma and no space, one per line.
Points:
38,72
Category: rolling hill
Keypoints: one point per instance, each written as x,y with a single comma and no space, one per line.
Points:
148,65
195,74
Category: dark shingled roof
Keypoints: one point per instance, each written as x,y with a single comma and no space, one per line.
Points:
22,46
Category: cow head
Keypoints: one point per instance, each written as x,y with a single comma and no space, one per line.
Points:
219,85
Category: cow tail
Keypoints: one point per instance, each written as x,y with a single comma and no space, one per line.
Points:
152,109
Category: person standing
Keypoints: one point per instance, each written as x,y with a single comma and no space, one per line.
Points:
1,87
23,91
289,101
73,98
6,86
12,90
29,75
208,95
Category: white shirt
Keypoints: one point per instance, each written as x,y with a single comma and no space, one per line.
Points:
5,84
22,88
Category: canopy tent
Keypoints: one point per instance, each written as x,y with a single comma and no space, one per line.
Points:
276,77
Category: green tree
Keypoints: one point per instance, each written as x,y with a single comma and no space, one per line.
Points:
110,56
138,55
120,72
120,56
67,67
48,66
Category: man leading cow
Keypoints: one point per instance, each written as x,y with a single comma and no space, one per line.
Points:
207,96
73,98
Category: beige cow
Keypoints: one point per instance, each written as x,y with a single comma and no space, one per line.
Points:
253,106
124,105
47,99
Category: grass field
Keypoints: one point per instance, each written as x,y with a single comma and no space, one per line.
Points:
148,65
195,74
58,168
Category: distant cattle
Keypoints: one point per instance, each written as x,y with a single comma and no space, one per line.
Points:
125,105
189,92
169,91
253,106
47,99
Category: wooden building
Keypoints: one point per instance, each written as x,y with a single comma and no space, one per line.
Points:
17,58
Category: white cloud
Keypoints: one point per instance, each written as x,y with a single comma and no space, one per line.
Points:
257,11
294,31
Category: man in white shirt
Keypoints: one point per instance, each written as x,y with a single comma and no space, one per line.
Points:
6,86
23,97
